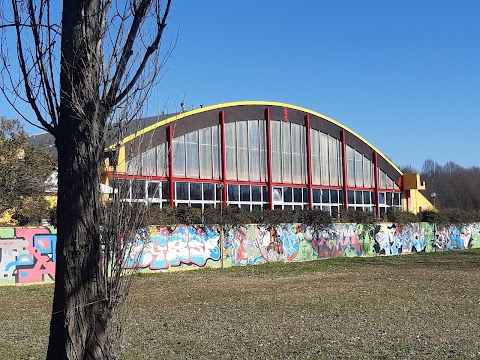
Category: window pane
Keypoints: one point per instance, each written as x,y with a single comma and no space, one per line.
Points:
325,196
265,194
389,198
205,141
162,161
149,162
121,188
350,166
397,199
242,150
263,151
182,191
358,169
244,193
367,172
366,197
297,195
276,151
315,152
381,198
358,197
277,194
165,190
230,142
138,189
287,194
179,156
191,140
154,190
233,193
215,152
333,150
324,159
256,193
208,191
297,157
253,151
351,197
334,196
134,166
286,153
316,195
195,191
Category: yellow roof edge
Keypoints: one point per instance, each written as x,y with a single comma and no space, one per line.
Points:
253,102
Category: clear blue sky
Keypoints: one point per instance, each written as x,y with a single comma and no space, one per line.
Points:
405,75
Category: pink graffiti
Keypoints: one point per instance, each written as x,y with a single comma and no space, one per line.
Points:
29,256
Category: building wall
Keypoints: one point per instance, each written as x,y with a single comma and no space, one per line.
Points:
27,255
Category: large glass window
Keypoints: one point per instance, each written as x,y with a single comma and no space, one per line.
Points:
149,162
138,189
334,161
195,191
350,166
205,158
230,142
286,153
216,152
245,193
162,160
242,150
325,180
208,192
179,156
233,194
154,191
254,151
358,169
182,191
191,140
297,153
315,153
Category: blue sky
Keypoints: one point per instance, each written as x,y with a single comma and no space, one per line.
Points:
405,75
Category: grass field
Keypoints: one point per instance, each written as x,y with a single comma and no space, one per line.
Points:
411,306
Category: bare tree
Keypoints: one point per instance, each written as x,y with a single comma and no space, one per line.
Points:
80,72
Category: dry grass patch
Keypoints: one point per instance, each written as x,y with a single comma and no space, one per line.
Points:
414,306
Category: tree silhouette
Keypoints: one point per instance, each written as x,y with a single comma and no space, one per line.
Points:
81,74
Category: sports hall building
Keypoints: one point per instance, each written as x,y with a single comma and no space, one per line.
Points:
258,155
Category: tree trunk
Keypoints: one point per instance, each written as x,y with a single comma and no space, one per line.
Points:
80,316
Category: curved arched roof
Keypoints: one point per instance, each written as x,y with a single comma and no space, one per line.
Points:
240,109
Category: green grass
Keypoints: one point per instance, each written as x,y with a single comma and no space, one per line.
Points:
411,306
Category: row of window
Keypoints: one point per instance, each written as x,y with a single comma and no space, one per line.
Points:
197,155
198,194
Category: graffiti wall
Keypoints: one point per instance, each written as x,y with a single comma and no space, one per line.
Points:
253,244
163,247
27,255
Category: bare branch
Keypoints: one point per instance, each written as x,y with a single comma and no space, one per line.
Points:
44,80
23,68
139,15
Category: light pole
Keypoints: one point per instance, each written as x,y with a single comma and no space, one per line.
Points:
433,196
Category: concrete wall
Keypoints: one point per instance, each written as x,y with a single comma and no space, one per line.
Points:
27,254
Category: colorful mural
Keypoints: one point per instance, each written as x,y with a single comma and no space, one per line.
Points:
162,247
27,255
